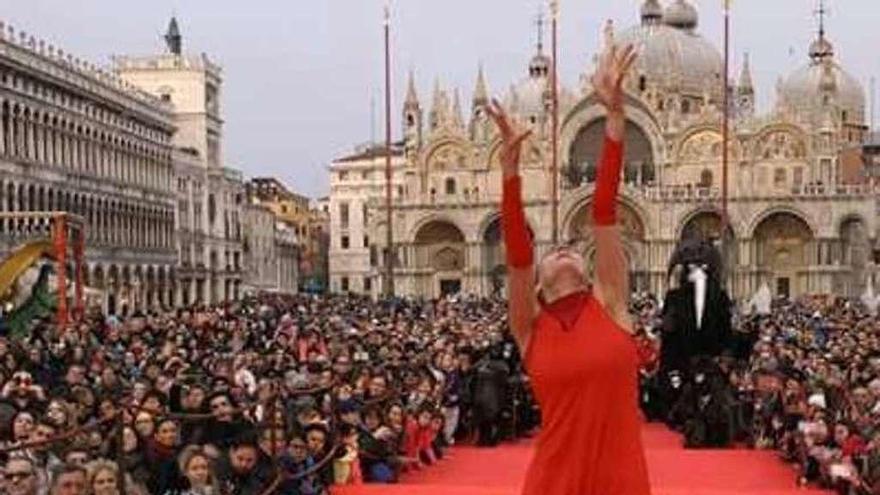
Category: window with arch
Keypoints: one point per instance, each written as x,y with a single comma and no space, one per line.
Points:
779,177
450,185
706,178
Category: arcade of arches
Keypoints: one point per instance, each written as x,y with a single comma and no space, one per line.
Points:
113,225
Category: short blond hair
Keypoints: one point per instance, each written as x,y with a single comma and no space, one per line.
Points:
99,465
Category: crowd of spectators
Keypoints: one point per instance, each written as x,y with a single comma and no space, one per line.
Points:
803,379
295,394
271,395
812,387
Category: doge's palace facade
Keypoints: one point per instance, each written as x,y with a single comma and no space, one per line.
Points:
795,223
77,138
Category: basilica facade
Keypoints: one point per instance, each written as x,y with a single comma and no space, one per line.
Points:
801,218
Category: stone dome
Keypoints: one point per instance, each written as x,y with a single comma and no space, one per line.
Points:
675,58
539,66
681,14
651,10
805,90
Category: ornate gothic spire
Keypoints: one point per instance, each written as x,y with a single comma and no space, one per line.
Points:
435,102
745,85
439,107
457,120
172,38
481,91
412,98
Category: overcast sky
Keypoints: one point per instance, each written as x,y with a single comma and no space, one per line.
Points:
300,74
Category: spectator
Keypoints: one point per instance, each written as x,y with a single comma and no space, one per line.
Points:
20,477
199,477
103,478
68,479
239,473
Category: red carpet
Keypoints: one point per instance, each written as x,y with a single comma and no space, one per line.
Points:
674,471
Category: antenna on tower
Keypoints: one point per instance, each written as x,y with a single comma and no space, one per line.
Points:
540,23
821,12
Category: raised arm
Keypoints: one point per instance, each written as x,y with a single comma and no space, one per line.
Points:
612,273
522,305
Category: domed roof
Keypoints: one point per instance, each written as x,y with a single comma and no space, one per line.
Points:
805,89
539,65
681,14
651,10
821,48
673,57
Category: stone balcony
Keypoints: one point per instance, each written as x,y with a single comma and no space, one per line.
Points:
657,194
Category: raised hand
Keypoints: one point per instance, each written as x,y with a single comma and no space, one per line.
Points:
512,138
614,65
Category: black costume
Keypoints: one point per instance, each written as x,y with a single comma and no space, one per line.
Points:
696,310
696,328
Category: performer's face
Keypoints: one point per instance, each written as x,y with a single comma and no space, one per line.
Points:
561,262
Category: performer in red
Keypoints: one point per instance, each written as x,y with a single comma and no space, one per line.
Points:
576,335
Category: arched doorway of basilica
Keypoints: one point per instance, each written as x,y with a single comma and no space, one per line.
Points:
440,258
633,228
494,267
707,225
855,254
494,264
784,243
586,148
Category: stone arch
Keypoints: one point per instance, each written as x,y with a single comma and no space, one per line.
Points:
706,224
40,198
440,249
704,143
584,152
98,278
576,230
855,247
575,215
10,196
494,266
447,153
6,120
32,197
705,221
150,285
764,148
785,248
588,111
763,215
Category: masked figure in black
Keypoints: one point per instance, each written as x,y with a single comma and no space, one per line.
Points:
696,329
697,310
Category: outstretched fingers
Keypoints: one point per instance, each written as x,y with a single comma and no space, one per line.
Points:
625,62
497,113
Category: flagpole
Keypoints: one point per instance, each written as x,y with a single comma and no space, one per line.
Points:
554,154
725,133
389,233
